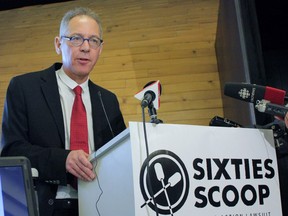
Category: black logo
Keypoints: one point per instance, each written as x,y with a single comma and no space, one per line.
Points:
166,180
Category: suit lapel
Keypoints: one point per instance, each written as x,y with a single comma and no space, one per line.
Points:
50,91
96,114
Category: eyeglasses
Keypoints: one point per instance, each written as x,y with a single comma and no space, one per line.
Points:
78,40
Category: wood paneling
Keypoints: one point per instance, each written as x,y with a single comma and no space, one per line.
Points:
167,40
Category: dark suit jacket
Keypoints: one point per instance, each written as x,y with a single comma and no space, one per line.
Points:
33,127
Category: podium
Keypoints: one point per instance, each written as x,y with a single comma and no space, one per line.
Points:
190,170
111,193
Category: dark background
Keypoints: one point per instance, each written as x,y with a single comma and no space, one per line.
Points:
273,29
252,47
10,4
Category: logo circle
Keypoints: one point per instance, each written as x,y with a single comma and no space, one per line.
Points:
163,176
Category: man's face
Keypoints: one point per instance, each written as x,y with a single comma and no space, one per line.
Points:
79,61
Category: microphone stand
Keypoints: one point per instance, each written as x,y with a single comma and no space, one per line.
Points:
153,114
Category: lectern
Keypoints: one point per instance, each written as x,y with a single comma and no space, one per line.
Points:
189,170
111,193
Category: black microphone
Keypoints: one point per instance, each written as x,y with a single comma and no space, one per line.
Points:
223,122
270,108
149,96
105,113
251,92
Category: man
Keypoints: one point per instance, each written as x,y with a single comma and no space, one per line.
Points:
38,110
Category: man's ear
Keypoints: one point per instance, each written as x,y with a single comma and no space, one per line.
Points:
57,44
101,47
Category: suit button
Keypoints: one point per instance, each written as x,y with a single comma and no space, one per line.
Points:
50,201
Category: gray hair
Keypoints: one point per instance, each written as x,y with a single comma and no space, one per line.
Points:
79,11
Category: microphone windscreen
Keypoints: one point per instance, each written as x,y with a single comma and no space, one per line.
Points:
152,82
274,95
251,92
153,86
244,91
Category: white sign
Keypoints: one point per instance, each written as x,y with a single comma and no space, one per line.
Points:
207,171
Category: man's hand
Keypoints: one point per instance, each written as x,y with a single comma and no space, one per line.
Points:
77,164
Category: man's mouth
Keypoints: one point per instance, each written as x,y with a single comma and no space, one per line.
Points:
83,60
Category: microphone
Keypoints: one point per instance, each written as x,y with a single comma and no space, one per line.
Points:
251,93
223,122
150,94
273,109
105,113
149,97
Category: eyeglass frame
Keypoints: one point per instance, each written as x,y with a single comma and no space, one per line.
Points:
69,38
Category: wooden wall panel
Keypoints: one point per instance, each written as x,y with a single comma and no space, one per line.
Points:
167,40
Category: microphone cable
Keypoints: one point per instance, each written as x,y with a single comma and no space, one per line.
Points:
149,185
99,185
105,113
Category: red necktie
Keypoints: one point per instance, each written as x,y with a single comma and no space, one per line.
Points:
78,127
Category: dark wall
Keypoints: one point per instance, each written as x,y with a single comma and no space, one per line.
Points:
272,22
252,46
273,29
239,56
12,4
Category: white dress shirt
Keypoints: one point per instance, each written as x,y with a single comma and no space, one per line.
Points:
66,86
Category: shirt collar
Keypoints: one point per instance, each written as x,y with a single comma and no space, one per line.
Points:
70,82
